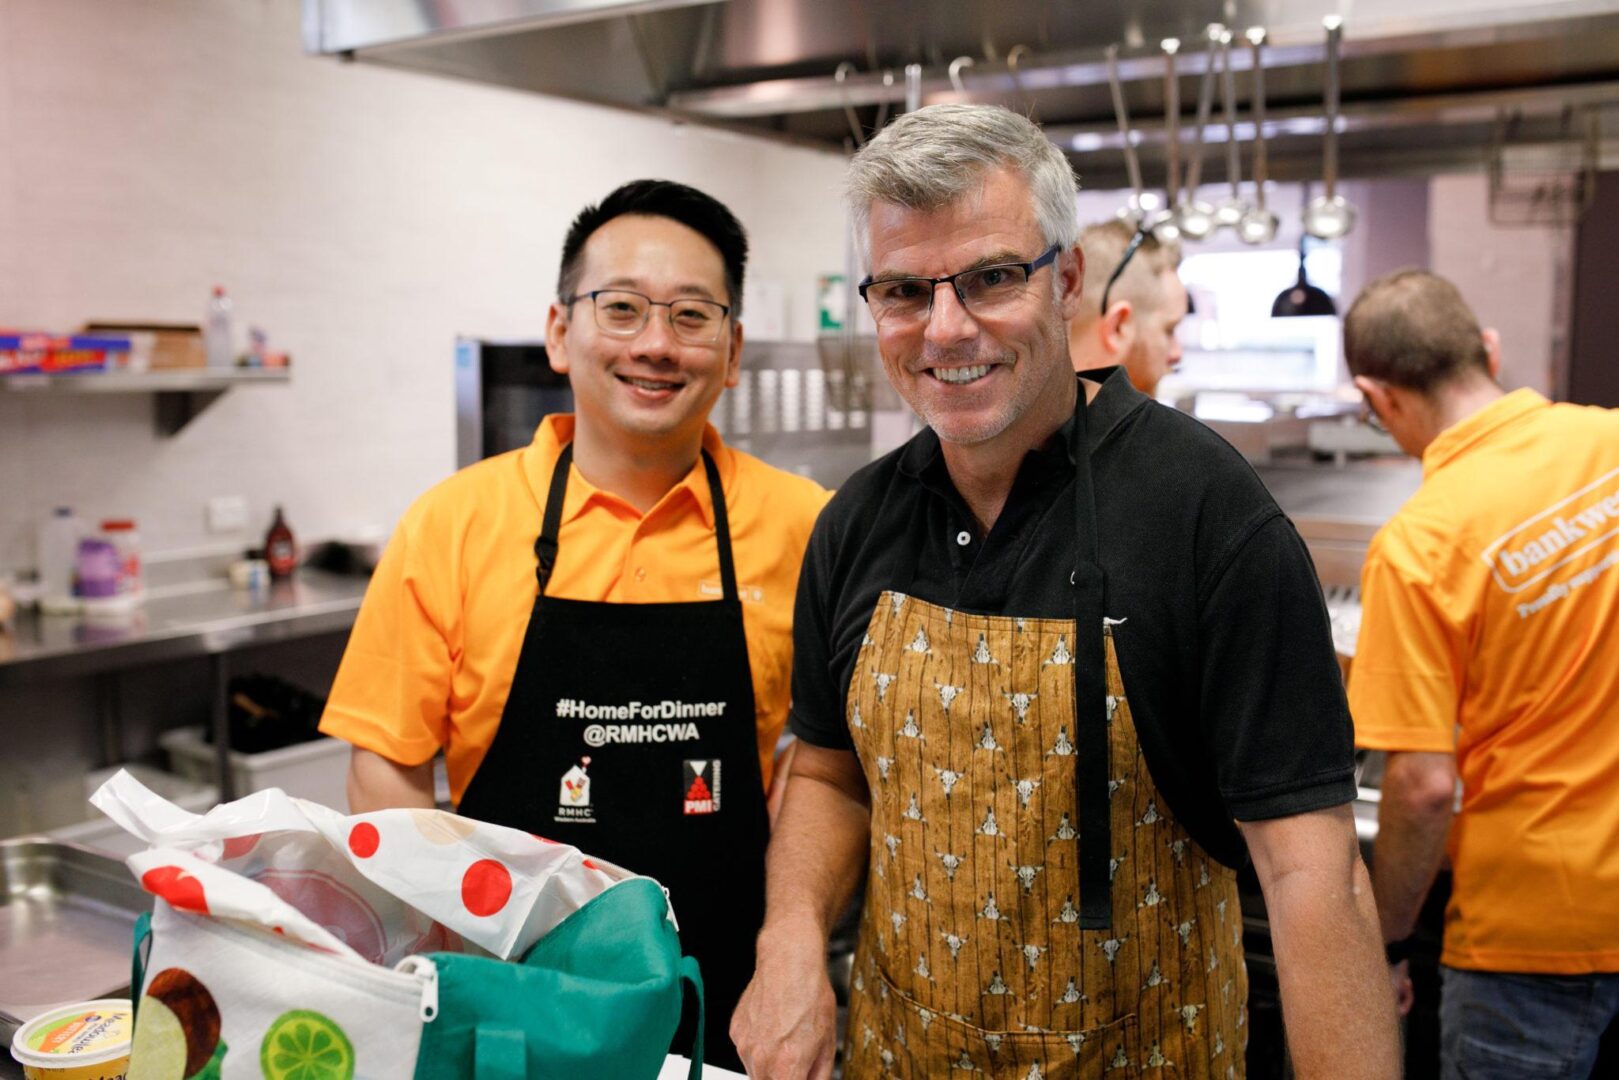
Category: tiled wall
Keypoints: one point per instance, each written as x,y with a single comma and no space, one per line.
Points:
1513,278
362,216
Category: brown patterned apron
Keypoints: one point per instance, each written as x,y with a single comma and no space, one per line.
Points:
971,957
976,951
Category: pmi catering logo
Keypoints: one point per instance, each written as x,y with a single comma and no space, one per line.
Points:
1563,533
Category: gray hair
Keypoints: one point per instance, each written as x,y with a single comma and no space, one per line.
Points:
930,158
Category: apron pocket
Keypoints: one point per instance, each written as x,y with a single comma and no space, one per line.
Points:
915,1041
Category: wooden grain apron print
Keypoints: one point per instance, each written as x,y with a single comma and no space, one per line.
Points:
972,959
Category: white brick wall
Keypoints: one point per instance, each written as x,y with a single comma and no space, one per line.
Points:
362,216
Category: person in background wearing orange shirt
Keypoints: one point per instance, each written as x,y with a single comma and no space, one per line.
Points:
1134,305
1489,650
596,629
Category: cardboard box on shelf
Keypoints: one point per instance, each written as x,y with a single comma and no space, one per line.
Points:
158,346
54,354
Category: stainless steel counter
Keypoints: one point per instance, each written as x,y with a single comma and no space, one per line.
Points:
211,620
208,619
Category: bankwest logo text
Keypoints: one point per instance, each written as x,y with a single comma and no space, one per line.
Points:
1556,536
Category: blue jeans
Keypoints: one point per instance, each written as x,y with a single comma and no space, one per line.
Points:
1504,1026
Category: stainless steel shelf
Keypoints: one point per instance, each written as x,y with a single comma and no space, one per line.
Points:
179,394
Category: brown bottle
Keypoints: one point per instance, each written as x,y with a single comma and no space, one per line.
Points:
280,550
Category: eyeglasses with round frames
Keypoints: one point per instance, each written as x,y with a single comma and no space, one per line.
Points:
623,313
982,290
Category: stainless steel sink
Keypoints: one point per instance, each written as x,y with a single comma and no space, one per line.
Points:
67,916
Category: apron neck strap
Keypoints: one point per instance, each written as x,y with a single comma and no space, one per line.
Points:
722,527
1092,763
546,546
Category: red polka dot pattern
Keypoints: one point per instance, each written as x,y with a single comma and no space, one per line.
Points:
176,886
485,887
237,846
364,840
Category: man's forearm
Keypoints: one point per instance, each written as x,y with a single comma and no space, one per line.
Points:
1413,821
815,857
375,783
1329,959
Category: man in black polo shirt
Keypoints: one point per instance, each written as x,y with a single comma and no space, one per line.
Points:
1059,667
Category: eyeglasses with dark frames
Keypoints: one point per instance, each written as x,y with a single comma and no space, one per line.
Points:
1129,253
982,290
1370,418
623,313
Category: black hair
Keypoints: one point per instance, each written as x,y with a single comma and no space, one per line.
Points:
701,213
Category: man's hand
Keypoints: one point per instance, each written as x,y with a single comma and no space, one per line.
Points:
785,1027
1404,995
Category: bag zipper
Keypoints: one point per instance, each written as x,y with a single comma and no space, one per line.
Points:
416,975
425,972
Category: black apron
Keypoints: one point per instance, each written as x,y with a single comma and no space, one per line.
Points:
629,733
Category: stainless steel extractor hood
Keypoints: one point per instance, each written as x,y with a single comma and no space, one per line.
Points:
1427,84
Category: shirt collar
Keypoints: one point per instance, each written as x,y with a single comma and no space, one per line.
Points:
1117,400
1465,433
556,431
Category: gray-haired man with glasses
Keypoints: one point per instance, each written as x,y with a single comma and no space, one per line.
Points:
1060,667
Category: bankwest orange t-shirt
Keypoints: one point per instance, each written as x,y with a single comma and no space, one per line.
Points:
433,651
1491,629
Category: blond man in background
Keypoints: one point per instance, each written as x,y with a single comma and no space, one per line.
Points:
1134,303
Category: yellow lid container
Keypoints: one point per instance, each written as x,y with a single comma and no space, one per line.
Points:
87,1041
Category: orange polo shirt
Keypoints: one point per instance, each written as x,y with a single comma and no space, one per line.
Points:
1491,630
434,649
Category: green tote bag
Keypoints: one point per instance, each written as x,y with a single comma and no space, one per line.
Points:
600,995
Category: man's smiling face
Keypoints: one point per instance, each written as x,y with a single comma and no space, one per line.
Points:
972,379
653,385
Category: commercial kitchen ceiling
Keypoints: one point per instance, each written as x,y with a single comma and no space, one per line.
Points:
1428,85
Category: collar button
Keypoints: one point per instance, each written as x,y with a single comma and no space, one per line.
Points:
963,538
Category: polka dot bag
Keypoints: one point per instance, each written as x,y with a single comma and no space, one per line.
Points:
292,942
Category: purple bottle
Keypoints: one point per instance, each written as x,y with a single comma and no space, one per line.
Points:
98,569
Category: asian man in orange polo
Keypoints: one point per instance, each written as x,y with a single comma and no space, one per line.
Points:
596,629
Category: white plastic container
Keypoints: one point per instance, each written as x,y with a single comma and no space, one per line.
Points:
86,1041
316,770
218,334
56,553
102,833
126,539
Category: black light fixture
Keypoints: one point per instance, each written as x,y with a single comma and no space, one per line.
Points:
1302,298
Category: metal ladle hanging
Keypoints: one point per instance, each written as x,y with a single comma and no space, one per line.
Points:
1166,230
843,72
1140,205
1229,211
1329,216
1258,225
1194,216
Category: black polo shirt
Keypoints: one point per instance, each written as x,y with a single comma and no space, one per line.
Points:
1225,648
